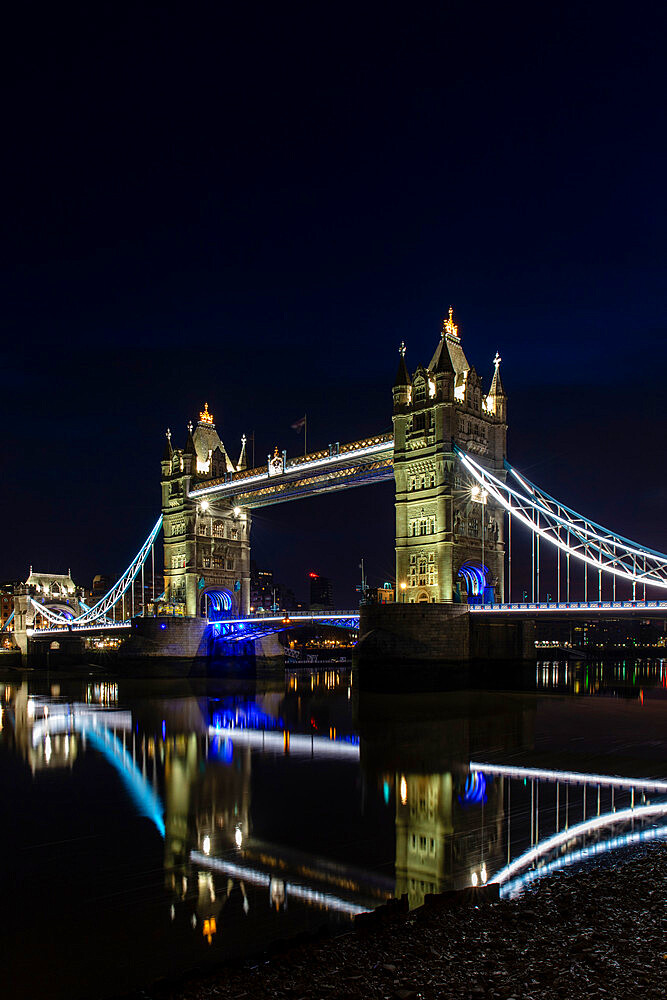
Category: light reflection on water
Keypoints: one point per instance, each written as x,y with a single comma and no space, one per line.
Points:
200,820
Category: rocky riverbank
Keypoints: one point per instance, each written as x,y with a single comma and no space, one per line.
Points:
598,931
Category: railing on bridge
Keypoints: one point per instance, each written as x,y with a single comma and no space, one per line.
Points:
568,606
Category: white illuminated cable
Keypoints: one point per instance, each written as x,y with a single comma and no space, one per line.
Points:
583,854
483,476
123,583
570,777
628,543
578,830
495,490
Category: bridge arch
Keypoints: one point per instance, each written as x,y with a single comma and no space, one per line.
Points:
475,577
217,602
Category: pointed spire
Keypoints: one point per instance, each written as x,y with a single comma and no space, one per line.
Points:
441,362
242,463
496,384
189,444
402,376
168,450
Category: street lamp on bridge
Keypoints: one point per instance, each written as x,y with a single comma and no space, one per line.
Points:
480,495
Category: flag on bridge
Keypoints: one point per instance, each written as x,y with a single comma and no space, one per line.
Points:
299,425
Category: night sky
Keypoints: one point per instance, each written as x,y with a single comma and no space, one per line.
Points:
253,205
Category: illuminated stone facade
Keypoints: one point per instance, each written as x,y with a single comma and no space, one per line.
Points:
206,544
440,515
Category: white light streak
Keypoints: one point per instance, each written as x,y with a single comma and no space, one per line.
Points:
579,830
571,777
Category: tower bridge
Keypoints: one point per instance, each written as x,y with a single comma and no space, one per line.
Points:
457,500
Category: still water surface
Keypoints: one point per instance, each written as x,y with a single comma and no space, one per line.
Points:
153,826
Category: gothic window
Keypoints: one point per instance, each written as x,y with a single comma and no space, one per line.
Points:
235,534
178,561
431,524
230,564
207,562
422,482
203,528
218,529
217,562
422,571
420,390
473,527
419,422
423,525
431,479
412,482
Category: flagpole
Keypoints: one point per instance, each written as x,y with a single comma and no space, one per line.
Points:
305,434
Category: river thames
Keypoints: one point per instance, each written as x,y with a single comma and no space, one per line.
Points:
155,826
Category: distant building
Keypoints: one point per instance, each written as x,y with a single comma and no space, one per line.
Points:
102,584
383,595
6,601
265,591
321,592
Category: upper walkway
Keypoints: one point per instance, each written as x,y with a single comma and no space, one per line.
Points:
340,466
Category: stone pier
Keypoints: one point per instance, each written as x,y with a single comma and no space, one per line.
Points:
440,633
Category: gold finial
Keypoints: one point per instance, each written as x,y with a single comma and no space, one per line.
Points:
204,416
401,349
275,452
449,326
497,361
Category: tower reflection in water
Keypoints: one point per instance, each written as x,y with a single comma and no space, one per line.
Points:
311,799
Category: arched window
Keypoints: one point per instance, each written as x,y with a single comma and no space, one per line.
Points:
218,529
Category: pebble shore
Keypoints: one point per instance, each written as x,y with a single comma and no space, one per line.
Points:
598,931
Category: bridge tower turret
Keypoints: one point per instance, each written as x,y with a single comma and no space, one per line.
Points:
206,544
449,536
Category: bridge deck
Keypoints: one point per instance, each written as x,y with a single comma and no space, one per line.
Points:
564,608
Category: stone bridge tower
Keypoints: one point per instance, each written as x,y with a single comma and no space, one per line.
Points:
449,536
206,544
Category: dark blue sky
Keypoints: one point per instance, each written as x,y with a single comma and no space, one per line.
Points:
254,206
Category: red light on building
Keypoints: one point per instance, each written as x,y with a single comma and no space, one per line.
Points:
313,576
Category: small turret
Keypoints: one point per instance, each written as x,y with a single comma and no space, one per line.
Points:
189,455
496,401
401,389
242,463
168,450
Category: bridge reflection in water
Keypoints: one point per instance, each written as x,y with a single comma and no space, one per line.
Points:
309,802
